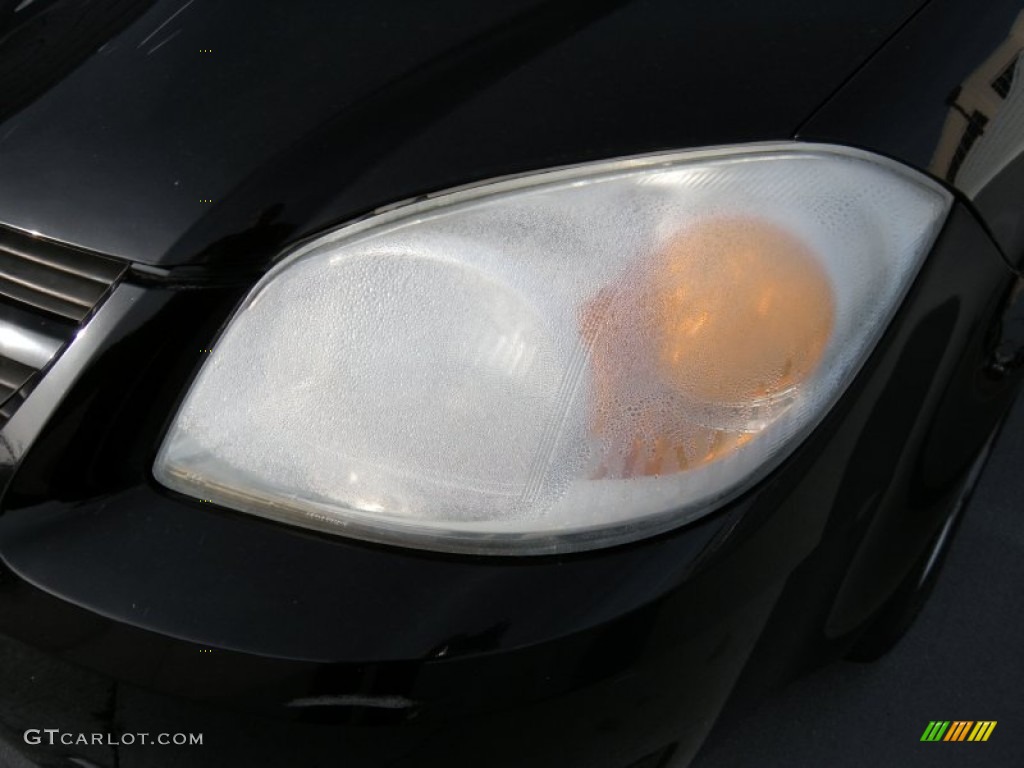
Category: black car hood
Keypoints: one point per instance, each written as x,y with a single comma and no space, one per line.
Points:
215,133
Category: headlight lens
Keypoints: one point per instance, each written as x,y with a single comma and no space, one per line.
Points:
562,361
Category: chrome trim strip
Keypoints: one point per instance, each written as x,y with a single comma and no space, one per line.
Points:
26,346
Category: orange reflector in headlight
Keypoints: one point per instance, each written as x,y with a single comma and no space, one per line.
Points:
731,315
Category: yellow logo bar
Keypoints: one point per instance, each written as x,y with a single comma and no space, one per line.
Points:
982,730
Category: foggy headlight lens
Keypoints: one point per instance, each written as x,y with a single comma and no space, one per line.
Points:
562,361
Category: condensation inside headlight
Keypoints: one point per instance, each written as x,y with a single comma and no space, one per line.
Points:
556,362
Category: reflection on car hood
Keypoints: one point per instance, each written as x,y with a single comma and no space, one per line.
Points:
185,132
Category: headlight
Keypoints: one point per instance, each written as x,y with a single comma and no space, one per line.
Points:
562,361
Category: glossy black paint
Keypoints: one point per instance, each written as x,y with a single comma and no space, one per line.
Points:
304,118
908,101
604,656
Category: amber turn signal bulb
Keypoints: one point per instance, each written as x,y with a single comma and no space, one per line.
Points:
732,314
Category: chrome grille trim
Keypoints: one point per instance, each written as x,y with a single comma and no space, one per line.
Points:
56,279
27,346
12,376
47,291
